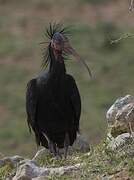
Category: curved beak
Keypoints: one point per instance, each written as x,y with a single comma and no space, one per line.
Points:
70,50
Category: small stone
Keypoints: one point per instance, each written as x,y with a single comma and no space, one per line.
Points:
12,161
119,141
17,158
29,170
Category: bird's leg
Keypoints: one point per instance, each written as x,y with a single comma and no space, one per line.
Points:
58,153
51,145
54,148
66,144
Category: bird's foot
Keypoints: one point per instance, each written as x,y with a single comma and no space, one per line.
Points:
54,150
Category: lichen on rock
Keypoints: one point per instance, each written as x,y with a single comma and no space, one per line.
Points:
120,116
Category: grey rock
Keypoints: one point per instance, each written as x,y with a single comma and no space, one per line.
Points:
11,160
117,107
29,170
130,114
17,158
120,116
120,141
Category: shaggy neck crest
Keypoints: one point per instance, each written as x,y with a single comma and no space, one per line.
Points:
54,31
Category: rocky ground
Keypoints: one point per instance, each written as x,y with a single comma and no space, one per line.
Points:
113,159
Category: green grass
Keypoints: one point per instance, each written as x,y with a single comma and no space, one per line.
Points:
6,171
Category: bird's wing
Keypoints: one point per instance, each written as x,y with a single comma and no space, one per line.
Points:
75,101
31,103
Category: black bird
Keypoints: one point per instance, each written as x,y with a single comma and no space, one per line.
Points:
53,102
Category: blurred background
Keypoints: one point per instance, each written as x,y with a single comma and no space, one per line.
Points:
94,24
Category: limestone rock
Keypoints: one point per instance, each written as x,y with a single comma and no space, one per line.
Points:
120,116
117,106
28,170
120,141
10,160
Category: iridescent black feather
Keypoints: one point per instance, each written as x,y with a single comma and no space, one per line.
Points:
49,33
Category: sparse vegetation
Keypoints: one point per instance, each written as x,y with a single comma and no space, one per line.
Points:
99,162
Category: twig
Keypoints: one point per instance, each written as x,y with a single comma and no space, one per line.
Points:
124,36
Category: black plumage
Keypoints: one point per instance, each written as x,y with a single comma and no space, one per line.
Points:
53,102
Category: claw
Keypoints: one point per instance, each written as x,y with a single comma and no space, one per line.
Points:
52,147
